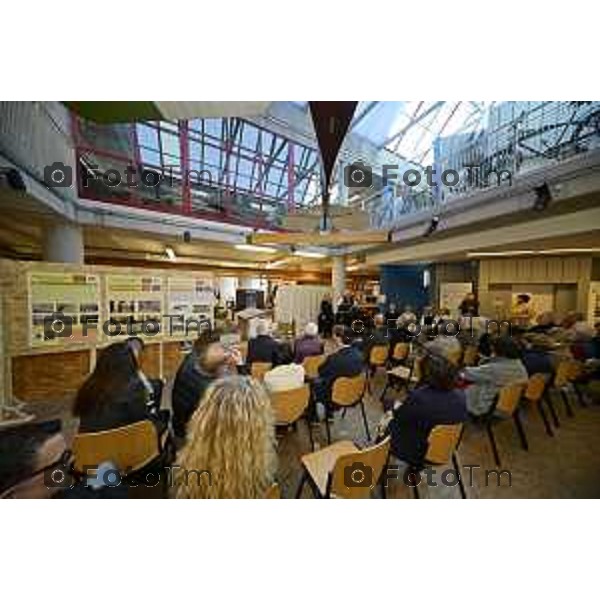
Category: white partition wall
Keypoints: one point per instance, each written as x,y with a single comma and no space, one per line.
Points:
299,303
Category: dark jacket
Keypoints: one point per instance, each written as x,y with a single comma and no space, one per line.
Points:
537,361
189,387
126,408
346,362
412,422
469,308
326,318
263,348
307,346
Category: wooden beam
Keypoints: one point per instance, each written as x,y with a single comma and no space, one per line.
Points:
330,238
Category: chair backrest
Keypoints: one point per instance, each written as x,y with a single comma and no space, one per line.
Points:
563,373
258,370
311,365
348,390
442,441
508,398
536,386
290,405
471,356
371,462
401,350
378,355
274,492
455,356
129,448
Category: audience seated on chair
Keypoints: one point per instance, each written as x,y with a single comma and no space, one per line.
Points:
346,361
230,449
503,368
114,394
284,378
263,348
436,402
378,336
207,361
309,344
535,357
29,455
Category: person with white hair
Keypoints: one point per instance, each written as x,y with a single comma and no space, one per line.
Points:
309,344
263,348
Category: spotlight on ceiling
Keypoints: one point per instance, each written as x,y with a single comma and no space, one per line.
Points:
543,197
435,221
187,237
170,253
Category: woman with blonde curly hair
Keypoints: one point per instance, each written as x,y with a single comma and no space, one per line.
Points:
232,436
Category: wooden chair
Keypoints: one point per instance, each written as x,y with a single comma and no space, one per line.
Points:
330,470
470,356
400,353
506,406
258,370
442,443
378,357
311,365
130,448
348,392
274,492
536,392
290,406
403,377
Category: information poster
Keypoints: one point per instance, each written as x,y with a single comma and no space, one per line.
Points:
190,302
135,305
452,294
63,307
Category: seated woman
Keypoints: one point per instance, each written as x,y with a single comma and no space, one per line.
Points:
309,344
114,395
503,368
230,452
437,402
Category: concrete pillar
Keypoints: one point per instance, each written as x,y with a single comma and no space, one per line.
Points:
63,243
342,188
338,278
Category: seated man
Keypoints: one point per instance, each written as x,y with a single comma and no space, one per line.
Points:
503,368
437,402
263,348
346,361
378,336
35,463
309,344
206,363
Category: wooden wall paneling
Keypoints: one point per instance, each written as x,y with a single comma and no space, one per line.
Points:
172,358
47,377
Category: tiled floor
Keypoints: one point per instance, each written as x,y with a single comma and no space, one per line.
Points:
565,466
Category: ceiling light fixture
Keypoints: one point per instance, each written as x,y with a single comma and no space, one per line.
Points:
253,248
307,254
170,253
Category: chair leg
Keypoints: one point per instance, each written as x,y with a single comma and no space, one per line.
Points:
461,485
382,482
460,437
385,389
579,394
303,480
547,425
552,411
310,434
327,428
343,412
565,398
493,443
520,430
364,416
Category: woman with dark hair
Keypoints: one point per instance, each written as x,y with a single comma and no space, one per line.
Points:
436,402
114,395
